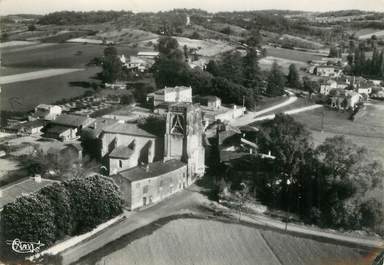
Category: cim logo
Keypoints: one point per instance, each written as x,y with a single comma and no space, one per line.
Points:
24,247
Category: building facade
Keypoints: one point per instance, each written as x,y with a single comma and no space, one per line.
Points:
145,185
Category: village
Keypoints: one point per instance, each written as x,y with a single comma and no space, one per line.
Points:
210,135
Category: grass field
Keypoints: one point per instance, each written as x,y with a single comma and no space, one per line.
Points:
292,54
193,241
60,55
367,130
24,96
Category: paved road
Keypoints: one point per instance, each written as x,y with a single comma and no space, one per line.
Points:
289,112
250,116
193,201
187,200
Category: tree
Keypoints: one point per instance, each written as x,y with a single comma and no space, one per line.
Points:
276,81
293,79
231,67
289,142
310,85
93,200
333,52
58,197
251,70
255,39
127,99
112,68
31,27
213,68
29,218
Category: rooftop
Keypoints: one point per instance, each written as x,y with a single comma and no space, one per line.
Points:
12,191
72,120
128,129
147,53
123,152
154,169
55,129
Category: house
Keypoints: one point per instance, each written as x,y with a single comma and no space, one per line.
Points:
125,145
222,113
170,95
210,101
67,127
29,127
327,86
144,185
345,99
46,112
328,71
11,192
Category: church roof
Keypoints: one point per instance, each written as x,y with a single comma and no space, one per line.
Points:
154,170
127,129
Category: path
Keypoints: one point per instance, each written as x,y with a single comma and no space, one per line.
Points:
250,116
36,75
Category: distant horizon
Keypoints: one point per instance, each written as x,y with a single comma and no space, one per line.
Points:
43,7
204,10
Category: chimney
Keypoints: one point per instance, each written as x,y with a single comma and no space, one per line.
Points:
37,178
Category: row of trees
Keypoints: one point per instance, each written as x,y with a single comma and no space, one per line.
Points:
334,185
234,78
360,65
70,208
78,18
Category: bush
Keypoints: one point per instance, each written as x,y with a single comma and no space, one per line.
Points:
70,208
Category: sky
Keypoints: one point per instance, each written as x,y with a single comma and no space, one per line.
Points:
47,6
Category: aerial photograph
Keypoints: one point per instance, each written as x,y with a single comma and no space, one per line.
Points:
191,132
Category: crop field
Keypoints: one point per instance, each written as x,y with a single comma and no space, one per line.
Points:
292,54
192,241
266,63
24,96
367,130
62,55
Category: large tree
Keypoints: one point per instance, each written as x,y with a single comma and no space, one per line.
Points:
293,78
251,70
111,64
276,81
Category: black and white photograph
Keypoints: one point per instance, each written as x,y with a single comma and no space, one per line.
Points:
191,132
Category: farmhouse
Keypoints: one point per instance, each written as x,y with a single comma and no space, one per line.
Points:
170,95
66,127
145,185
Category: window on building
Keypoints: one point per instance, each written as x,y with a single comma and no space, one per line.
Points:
145,189
120,163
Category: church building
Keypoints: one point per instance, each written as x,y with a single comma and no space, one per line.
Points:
182,163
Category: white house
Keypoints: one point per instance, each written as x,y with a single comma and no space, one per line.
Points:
326,87
46,112
170,95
